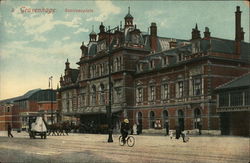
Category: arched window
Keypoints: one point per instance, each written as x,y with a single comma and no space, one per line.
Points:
151,119
197,117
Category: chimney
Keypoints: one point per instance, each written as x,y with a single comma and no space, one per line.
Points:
239,33
153,37
195,33
206,33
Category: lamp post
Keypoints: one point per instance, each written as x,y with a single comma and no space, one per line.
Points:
51,97
109,110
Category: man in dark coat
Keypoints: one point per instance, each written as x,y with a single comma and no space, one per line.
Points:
9,130
167,128
199,128
125,129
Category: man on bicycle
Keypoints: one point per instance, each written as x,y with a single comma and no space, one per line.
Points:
124,129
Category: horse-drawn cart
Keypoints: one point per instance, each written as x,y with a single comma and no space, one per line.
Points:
37,127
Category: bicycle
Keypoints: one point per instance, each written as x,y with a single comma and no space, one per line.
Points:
130,140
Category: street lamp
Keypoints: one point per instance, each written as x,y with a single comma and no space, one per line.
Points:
51,97
108,109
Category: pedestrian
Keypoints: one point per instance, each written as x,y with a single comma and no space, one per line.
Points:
9,130
171,134
177,132
167,128
139,129
135,128
199,128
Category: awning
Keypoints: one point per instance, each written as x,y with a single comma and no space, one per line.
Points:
93,110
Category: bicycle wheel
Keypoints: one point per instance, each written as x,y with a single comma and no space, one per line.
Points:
131,141
120,141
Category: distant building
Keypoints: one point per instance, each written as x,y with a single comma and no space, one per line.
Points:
233,104
154,79
16,110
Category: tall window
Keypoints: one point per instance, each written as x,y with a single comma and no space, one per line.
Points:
165,91
180,89
196,86
247,98
152,64
139,95
197,117
102,99
152,93
93,99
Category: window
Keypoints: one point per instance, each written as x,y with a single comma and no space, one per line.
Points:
152,119
180,89
118,91
236,98
165,91
102,99
139,95
179,57
247,98
197,117
223,99
196,86
152,65
165,61
152,93
93,99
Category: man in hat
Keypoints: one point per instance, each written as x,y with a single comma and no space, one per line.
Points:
124,129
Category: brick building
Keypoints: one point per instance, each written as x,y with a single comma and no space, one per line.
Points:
233,104
155,80
16,110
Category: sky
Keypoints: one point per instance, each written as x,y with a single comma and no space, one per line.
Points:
36,45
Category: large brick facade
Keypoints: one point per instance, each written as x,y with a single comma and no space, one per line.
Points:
16,110
155,80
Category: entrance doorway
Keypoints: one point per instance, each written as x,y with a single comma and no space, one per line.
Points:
181,119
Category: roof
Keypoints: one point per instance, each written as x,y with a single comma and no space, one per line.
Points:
225,46
128,16
25,96
242,81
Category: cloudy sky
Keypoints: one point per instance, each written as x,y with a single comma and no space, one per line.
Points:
35,45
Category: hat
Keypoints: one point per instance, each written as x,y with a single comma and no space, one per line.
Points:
126,120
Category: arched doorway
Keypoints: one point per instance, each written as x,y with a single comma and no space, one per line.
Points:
165,121
139,122
181,119
151,119
165,117
197,118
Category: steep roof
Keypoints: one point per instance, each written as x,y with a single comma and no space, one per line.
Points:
242,81
25,96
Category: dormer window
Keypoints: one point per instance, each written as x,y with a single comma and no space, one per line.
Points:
165,61
152,64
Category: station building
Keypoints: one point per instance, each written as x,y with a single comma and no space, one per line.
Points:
16,110
155,80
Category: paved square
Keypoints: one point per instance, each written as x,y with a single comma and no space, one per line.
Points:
148,148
